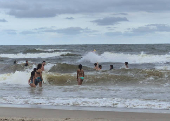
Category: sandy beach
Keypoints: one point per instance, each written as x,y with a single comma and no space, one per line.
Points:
31,114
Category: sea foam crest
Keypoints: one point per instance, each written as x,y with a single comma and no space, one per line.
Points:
50,50
33,55
121,57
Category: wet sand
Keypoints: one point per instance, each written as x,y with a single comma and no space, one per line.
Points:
34,114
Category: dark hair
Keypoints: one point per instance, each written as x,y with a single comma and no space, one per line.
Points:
34,69
95,64
39,66
111,67
43,61
32,74
126,63
15,61
100,66
80,66
26,60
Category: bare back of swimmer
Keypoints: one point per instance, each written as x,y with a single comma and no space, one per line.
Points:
80,75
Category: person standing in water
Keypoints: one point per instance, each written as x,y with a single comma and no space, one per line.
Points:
38,76
31,80
95,66
43,64
126,65
26,64
111,67
80,75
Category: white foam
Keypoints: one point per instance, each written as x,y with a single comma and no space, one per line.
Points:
15,78
33,55
22,77
121,57
88,102
49,50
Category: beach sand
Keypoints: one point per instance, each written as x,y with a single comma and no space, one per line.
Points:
34,114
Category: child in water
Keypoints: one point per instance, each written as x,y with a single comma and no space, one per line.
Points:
80,75
31,80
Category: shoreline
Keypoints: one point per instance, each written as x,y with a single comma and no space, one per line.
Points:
84,108
37,114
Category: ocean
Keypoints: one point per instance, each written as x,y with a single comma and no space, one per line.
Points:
145,85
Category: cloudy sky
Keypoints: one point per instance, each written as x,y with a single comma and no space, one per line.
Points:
37,22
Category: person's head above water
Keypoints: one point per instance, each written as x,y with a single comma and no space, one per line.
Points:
43,63
111,67
126,63
34,69
80,66
95,64
15,61
100,66
39,66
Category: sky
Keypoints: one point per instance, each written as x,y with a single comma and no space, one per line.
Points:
53,22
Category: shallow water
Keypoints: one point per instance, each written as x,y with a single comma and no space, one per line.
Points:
145,85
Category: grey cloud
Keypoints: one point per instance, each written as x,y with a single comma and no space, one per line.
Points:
109,21
143,30
28,32
70,30
14,5
10,31
151,28
120,14
34,13
3,20
66,31
70,18
51,8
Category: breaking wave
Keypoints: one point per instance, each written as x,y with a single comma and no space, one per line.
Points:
33,55
121,57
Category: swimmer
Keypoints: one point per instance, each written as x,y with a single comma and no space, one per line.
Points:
38,76
111,67
26,64
15,62
43,64
31,80
100,67
95,66
80,75
126,65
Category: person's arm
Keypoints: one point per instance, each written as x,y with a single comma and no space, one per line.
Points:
34,80
83,73
97,67
29,80
77,74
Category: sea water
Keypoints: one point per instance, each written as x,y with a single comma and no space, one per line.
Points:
145,85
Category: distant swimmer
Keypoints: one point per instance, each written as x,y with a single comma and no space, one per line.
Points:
43,64
126,65
26,64
15,62
94,50
31,80
80,75
111,67
38,76
95,66
100,67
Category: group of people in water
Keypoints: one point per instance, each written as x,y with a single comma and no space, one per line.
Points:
80,71
36,74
